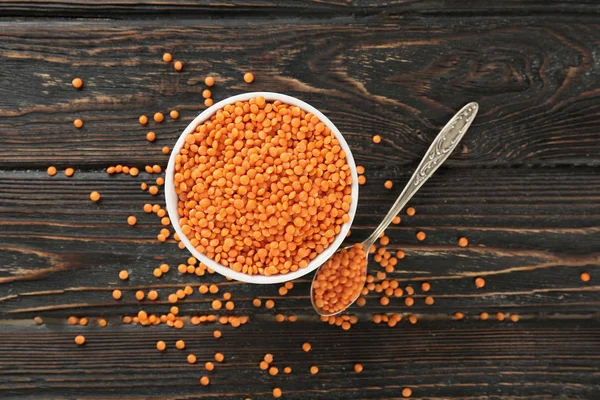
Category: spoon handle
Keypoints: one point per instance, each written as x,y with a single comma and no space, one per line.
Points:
439,151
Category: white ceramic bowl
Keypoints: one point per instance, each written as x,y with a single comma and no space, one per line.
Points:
172,200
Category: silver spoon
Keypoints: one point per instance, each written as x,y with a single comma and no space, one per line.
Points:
439,151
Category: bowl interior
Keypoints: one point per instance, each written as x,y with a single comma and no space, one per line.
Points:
172,200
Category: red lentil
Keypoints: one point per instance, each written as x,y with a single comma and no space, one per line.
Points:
78,123
95,196
388,184
396,220
161,346
248,77
208,102
463,242
77,83
376,139
459,316
421,236
151,136
178,65
479,282
131,220
484,316
209,81
204,381
277,392
406,392
174,114
167,57
80,340
585,277
314,370
143,119
123,275
116,294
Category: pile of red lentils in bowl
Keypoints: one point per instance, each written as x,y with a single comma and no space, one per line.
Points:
263,187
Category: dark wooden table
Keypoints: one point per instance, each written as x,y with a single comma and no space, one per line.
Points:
524,188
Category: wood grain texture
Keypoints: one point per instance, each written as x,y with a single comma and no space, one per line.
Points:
524,189
471,361
116,9
537,81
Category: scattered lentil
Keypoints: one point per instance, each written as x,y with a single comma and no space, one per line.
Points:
95,196
585,277
178,65
77,83
131,220
209,81
80,340
248,77
376,139
421,236
51,170
123,275
78,123
479,282
388,184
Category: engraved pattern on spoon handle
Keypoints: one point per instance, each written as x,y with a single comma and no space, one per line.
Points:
439,151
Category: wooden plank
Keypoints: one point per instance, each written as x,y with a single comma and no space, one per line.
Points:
468,360
531,232
321,8
536,79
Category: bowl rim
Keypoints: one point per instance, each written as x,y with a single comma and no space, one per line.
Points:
172,199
